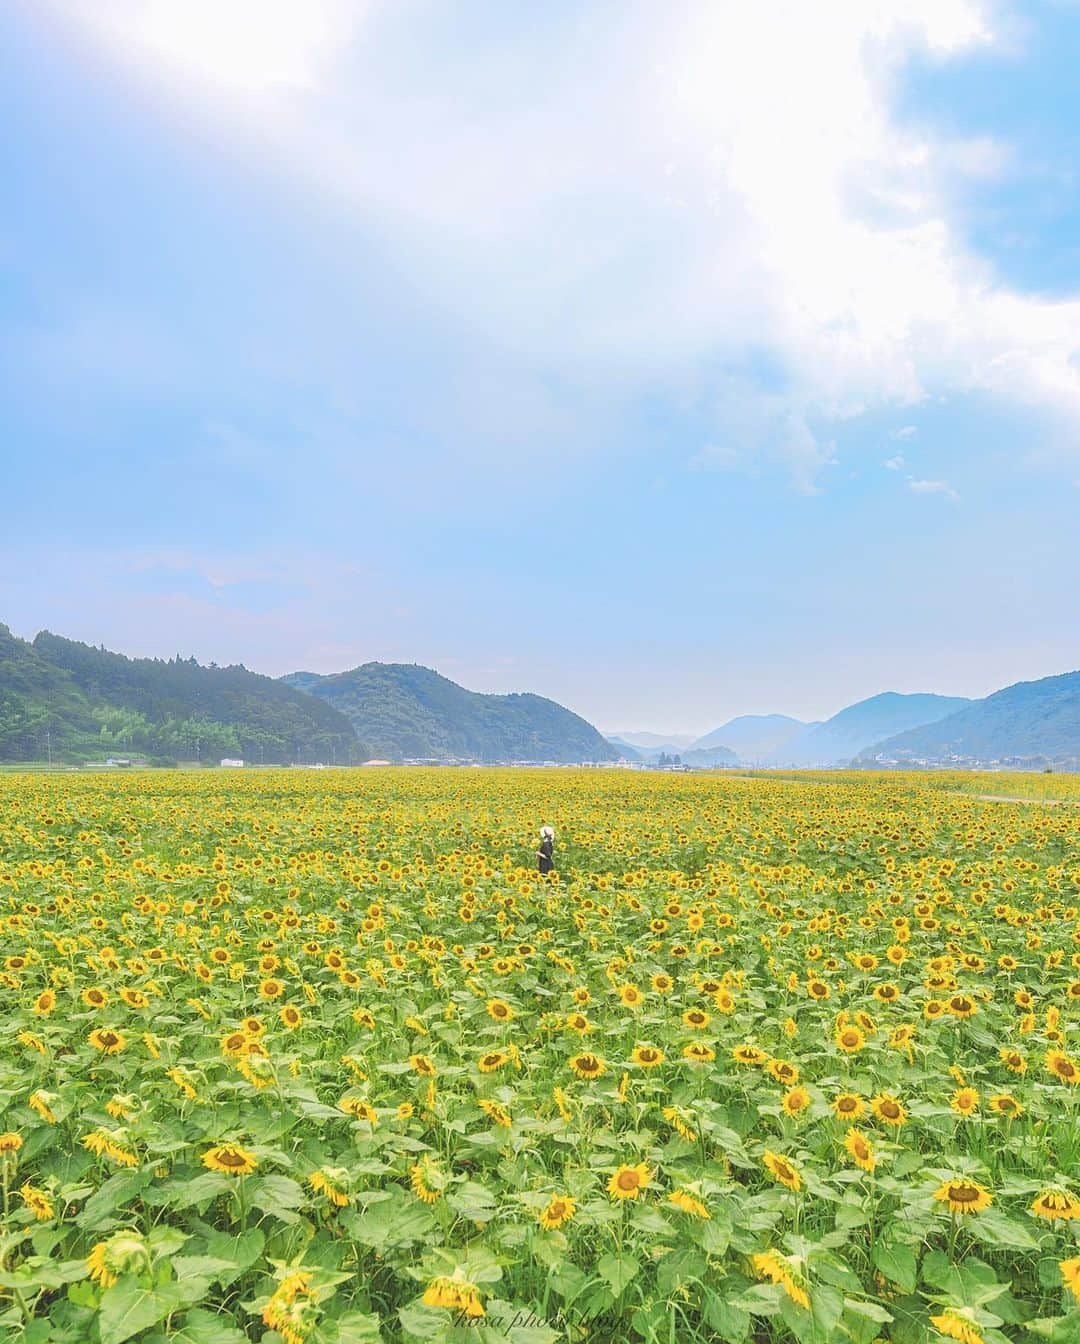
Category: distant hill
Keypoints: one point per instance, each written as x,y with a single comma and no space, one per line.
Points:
404,711
668,742
709,756
627,751
839,739
79,702
1032,721
753,737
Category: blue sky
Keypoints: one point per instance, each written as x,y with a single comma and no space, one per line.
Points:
672,361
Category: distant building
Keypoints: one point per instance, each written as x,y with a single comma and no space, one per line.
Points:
376,762
229,763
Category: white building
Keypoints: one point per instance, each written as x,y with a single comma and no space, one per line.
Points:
231,764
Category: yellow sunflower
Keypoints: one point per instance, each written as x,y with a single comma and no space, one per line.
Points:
628,1182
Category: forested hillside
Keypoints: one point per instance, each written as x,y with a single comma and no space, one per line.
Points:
406,711
74,702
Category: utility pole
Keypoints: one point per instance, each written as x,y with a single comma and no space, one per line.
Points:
48,743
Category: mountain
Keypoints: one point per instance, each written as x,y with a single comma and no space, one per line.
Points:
77,702
1032,721
859,726
627,751
404,711
704,757
753,737
668,742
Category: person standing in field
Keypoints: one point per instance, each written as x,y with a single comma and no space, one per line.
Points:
545,855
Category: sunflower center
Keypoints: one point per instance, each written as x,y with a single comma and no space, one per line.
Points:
963,1194
628,1180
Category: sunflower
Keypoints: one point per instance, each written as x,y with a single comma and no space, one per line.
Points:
41,1102
848,1106
557,1211
95,997
782,1170
37,1201
962,1005
423,1065
98,1269
796,1101
850,1039
291,1017
630,996
679,1124
231,1159
696,1018
958,1323
628,1182
493,1061
647,1056
499,1010
578,1022
107,1041
495,1112
1013,1060
662,984
1006,1104
697,1052
862,1154
784,1071
587,1065
965,1101
329,1181
749,1054
777,1268
134,998
963,1196
1061,1066
359,1110
688,1204
1070,1272
45,1003
426,1180
889,1110
1052,1204
454,1294
10,1143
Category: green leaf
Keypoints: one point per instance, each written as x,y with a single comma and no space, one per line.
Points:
128,1308
116,1191
201,1327
201,1267
617,1270
1002,1233
355,1327
271,1193
898,1264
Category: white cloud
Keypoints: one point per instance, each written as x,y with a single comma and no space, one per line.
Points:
894,463
905,432
646,192
242,45
933,488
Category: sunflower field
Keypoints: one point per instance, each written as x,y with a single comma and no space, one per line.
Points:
293,1056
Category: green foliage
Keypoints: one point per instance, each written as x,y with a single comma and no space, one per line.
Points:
75,702
1033,722
403,711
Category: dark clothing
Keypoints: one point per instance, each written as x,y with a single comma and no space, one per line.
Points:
545,855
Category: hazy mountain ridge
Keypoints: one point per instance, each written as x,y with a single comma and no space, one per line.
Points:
840,739
1036,721
753,737
406,711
